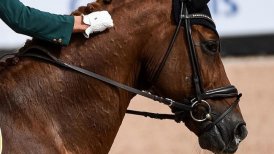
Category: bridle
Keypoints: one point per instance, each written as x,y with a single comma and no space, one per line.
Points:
201,94
188,105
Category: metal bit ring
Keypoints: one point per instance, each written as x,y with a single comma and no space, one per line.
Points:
208,115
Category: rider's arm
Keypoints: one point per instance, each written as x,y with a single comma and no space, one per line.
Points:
51,27
35,23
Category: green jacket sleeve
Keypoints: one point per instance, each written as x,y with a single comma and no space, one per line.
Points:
38,24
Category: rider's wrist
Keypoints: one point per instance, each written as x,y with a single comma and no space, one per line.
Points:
79,25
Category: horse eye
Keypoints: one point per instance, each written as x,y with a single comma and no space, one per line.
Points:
210,46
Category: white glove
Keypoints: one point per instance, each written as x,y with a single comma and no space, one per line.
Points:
98,21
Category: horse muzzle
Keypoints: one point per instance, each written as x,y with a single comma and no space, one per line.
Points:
224,137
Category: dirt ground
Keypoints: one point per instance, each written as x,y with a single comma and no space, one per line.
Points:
253,76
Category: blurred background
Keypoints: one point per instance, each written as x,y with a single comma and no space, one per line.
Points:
246,28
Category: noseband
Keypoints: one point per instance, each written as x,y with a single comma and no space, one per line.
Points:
188,105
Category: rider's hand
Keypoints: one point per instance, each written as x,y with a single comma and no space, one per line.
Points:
98,21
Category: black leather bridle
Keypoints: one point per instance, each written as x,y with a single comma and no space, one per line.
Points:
201,94
188,105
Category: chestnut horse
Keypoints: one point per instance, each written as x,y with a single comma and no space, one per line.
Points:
46,109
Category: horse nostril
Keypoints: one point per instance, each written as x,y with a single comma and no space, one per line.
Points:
240,132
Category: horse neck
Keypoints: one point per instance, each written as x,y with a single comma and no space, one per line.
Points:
151,23
88,113
129,45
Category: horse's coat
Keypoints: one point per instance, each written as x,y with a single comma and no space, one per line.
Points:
45,109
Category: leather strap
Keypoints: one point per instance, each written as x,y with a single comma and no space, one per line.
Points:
50,58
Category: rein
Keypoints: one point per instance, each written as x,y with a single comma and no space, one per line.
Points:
48,57
186,106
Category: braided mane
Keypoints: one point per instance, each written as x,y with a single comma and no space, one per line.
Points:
90,7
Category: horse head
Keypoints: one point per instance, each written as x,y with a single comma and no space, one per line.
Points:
175,79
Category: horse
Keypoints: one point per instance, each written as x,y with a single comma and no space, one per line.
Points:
48,109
